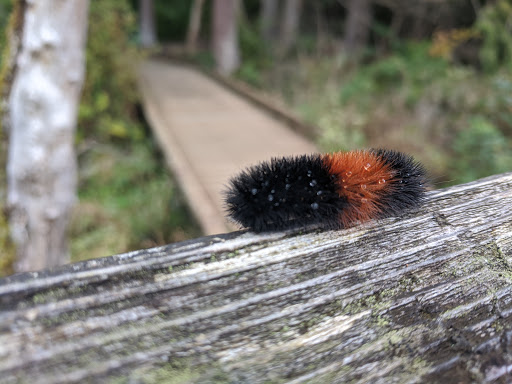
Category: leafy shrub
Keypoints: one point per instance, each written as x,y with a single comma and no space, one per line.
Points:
501,99
254,54
5,10
495,26
172,18
6,246
389,73
109,97
7,250
127,201
480,150
410,69
341,130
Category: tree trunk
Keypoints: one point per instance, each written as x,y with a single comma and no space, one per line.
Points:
357,28
194,26
268,18
320,29
289,26
147,23
420,16
225,36
42,107
425,298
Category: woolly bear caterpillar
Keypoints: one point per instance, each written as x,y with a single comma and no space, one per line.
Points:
330,190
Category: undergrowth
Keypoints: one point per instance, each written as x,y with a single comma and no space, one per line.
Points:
445,101
127,201
455,119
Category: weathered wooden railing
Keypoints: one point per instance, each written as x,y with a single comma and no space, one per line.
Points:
422,298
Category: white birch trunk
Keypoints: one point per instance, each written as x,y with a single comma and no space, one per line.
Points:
42,107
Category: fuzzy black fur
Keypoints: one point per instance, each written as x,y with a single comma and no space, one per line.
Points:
285,193
409,189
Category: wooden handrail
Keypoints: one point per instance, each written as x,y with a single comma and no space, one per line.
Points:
422,298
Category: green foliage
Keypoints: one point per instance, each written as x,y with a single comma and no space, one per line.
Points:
127,201
204,60
495,26
438,99
7,250
341,131
255,55
9,20
480,150
109,97
5,10
172,18
499,101
250,73
313,89
409,69
410,101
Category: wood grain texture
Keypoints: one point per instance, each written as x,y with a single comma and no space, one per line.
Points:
422,298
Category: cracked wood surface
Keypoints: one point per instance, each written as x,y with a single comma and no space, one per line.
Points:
424,298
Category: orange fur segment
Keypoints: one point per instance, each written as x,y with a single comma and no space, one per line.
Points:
362,178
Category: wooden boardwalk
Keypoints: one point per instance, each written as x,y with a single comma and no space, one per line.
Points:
209,134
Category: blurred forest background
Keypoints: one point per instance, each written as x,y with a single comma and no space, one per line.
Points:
431,77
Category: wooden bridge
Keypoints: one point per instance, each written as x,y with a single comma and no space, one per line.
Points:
208,134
